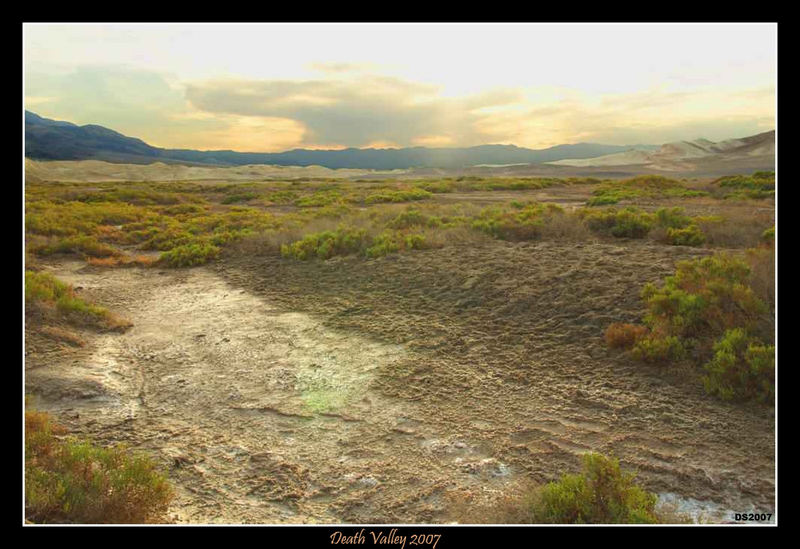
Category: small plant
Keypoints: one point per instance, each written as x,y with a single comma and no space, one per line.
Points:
605,199
189,255
672,218
688,236
390,242
624,336
398,196
602,494
716,312
73,481
658,349
414,218
41,286
520,223
757,186
743,368
319,198
704,298
84,244
326,244
239,197
44,292
643,186
629,222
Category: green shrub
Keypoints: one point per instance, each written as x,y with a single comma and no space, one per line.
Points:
73,481
523,223
689,236
604,199
716,311
672,218
743,368
435,186
41,286
414,218
282,197
319,198
326,244
398,196
391,242
349,241
83,244
757,186
602,494
164,239
643,186
183,209
705,297
190,254
628,222
239,197
653,348
768,235
384,244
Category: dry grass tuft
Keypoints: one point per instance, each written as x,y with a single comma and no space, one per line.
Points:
624,336
62,335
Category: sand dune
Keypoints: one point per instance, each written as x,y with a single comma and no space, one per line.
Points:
690,155
96,170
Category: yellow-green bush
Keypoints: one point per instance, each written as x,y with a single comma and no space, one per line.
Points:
44,288
717,311
759,185
628,222
601,494
704,298
41,286
521,222
83,244
642,186
397,196
326,244
72,481
189,255
688,236
654,348
743,368
393,241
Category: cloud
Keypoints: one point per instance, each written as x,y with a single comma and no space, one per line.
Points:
354,112
248,134
649,117
357,109
33,101
433,141
339,68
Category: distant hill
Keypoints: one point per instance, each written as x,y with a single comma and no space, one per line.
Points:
755,152
47,139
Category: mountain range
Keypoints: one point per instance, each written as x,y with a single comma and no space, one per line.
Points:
47,139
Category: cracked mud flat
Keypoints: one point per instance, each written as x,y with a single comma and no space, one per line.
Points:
352,391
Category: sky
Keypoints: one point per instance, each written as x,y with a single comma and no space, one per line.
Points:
275,87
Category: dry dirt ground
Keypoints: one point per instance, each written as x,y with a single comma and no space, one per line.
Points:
372,391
